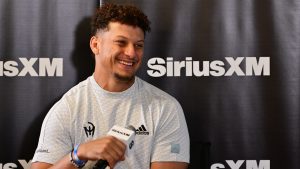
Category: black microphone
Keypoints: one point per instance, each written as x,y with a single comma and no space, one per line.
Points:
101,164
124,134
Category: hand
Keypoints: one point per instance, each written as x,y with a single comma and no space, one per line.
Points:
106,148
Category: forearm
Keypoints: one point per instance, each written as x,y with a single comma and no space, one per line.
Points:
169,165
64,163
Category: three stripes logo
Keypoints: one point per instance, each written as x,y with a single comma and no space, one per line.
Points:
141,130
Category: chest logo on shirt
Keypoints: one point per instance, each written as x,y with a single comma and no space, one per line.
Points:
141,131
89,129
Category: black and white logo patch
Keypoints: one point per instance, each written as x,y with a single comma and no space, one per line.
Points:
89,129
141,131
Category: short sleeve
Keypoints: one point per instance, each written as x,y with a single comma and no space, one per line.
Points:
171,142
55,141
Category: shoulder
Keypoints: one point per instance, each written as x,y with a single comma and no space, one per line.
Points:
151,90
79,93
62,107
80,88
73,98
154,94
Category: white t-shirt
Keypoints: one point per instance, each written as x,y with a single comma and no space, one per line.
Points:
88,112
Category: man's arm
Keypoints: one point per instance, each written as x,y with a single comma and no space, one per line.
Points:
64,163
171,146
107,148
169,165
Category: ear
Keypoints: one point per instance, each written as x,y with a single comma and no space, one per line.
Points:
94,44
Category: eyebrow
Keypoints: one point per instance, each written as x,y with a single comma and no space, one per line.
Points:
121,36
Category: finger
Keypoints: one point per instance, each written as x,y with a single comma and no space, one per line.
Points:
118,147
117,141
107,157
123,158
113,150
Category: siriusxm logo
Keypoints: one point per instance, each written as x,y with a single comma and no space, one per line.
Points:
250,164
24,164
25,66
252,66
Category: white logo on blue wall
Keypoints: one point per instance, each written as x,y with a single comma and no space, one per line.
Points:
240,66
32,67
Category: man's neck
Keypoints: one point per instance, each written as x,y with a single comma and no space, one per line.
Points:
112,84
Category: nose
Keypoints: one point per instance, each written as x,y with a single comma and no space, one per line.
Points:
130,51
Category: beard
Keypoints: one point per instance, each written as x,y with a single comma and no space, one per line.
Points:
124,78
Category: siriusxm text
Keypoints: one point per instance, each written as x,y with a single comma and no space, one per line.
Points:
240,66
32,67
239,164
21,163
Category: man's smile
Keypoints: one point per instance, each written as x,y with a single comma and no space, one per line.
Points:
126,63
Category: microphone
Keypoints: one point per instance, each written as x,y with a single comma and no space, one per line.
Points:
124,134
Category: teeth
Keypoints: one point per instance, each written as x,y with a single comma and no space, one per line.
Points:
126,63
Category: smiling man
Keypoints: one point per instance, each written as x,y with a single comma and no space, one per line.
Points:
73,134
118,51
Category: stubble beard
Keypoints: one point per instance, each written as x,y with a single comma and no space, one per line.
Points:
125,79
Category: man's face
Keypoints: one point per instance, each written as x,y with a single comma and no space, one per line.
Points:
120,53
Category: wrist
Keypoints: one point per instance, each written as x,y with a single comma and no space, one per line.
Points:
80,152
75,160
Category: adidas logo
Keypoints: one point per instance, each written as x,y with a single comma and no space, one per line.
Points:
141,131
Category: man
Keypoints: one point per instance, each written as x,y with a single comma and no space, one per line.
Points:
74,131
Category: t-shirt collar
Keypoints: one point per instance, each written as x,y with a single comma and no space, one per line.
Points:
103,92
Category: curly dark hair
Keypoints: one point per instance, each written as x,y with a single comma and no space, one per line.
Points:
124,14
